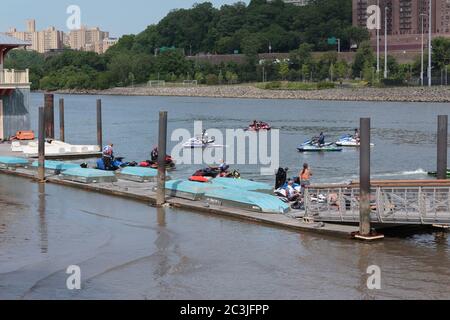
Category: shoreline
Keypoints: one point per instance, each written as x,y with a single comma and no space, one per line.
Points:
248,91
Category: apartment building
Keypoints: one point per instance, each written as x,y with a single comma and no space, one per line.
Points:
51,39
41,41
406,20
88,39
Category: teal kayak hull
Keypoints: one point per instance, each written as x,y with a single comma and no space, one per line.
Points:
231,193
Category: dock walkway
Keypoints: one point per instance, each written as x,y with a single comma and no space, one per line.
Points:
144,192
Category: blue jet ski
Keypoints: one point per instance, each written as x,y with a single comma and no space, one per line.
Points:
116,164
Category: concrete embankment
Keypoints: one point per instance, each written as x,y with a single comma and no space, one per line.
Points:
400,94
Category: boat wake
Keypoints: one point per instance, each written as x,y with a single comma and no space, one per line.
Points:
419,171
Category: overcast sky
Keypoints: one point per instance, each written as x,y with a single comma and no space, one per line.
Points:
117,16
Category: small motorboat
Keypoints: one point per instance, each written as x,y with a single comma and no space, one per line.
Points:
311,146
199,143
349,141
259,126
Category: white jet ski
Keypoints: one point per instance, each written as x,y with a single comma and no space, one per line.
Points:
199,143
349,141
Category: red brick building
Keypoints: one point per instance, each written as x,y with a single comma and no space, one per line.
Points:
406,19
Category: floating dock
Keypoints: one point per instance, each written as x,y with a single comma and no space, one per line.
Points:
145,192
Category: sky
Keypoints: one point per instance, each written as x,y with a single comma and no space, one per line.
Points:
119,17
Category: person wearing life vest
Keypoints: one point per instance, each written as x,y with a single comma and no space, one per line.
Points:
154,154
305,176
108,156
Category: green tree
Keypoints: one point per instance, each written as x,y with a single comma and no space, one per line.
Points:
306,72
364,56
441,53
284,69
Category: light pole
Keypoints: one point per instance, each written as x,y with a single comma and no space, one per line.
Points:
423,15
385,44
429,44
378,40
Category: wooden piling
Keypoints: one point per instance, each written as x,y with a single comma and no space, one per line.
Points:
364,227
41,145
99,124
162,152
49,104
62,136
442,144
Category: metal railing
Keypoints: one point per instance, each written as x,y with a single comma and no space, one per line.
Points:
393,205
14,77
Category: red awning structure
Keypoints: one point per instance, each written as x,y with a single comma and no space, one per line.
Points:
6,92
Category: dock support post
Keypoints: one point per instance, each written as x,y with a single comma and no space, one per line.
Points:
365,230
62,135
99,124
162,152
442,144
41,145
49,104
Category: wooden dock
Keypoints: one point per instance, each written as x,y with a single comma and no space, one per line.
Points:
144,192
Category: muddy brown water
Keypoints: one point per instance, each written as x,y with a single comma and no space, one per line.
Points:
128,250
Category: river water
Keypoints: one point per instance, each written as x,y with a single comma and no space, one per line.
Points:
128,250
404,133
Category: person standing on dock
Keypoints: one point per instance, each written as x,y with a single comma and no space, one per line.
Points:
305,176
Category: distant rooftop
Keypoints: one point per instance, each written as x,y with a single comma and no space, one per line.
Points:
6,40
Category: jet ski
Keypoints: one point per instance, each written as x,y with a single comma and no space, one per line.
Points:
116,164
313,146
260,126
349,141
434,173
199,143
170,163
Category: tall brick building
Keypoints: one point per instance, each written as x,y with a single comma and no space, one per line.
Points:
404,20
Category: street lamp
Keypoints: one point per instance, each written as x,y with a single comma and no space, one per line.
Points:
423,15
386,9
378,40
430,44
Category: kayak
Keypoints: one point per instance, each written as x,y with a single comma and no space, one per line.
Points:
434,173
349,141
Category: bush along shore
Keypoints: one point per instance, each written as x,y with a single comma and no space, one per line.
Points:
397,94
